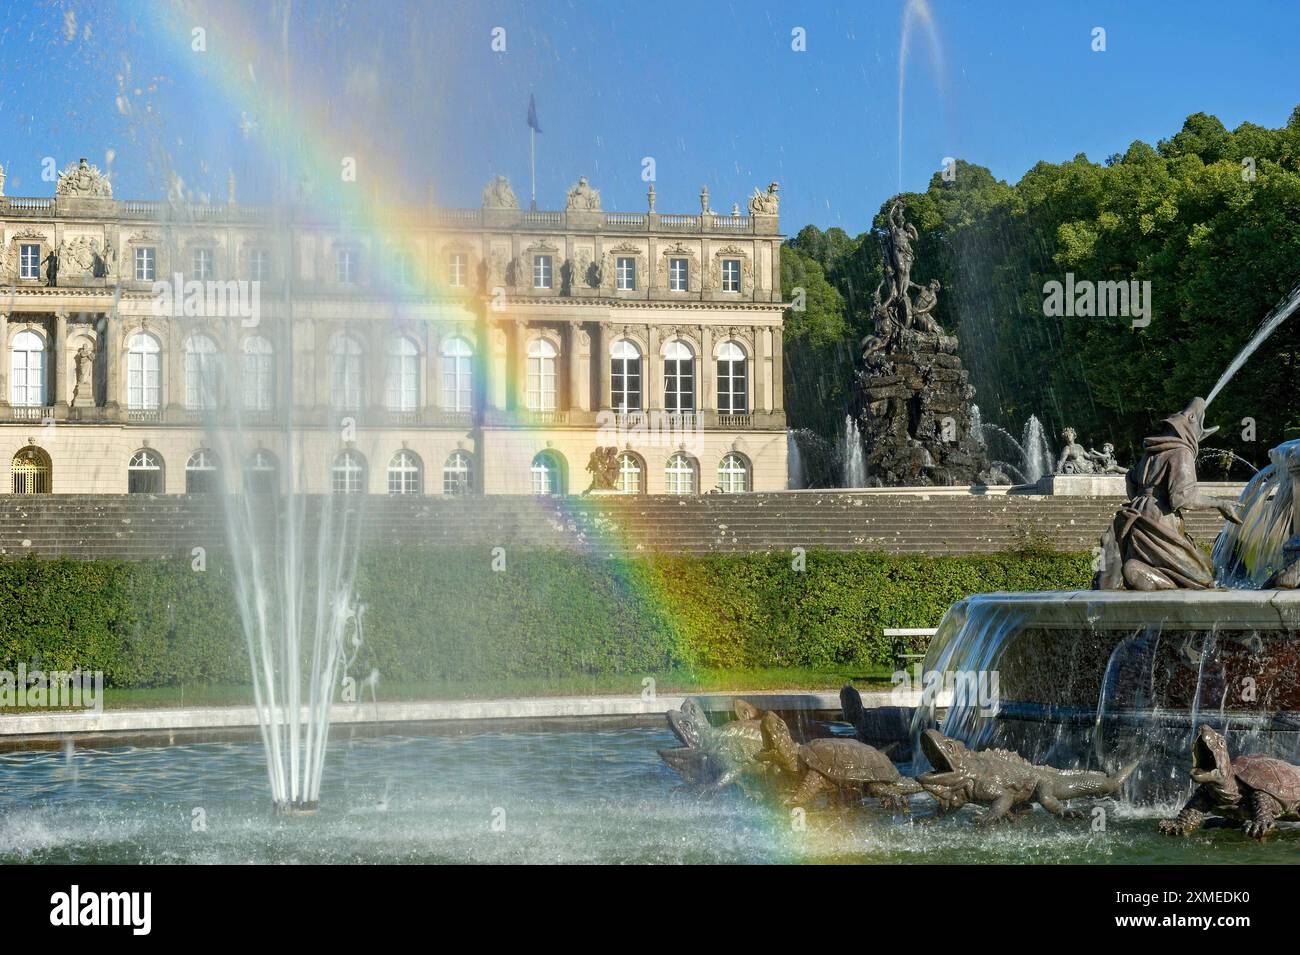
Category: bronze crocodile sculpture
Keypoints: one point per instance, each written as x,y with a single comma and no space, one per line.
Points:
1255,790
1004,780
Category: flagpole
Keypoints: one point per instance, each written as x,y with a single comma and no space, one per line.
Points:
532,162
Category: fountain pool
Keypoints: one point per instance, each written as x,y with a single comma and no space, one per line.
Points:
581,793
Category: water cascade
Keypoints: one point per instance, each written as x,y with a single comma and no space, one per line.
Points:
851,454
796,475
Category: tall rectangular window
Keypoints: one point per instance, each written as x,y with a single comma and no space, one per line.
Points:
29,261
146,263
457,269
731,275
345,266
202,265
679,271
625,273
542,275
259,265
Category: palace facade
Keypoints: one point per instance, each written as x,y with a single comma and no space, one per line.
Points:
162,347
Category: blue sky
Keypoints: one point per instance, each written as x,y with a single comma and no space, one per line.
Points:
712,91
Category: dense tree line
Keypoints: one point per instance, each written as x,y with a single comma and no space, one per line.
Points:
1210,217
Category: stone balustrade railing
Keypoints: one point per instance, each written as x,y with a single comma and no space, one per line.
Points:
179,213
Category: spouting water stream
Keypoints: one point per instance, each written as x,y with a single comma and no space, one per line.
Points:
1280,313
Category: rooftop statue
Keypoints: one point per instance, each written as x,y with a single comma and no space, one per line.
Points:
83,180
1148,547
497,194
582,197
765,203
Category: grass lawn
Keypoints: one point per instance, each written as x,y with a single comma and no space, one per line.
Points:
699,681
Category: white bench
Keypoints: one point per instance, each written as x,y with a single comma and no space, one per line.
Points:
896,635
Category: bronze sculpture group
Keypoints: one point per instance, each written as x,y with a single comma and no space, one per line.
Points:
758,752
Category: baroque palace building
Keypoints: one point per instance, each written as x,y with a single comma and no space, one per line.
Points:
411,350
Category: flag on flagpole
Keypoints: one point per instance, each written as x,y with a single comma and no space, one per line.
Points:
532,113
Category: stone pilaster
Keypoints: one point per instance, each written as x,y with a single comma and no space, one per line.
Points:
708,397
758,387
113,359
521,366
576,390
59,357
601,353
652,378
4,362
778,369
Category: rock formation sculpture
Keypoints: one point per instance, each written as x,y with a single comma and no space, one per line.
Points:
911,397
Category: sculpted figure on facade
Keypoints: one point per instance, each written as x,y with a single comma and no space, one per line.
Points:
765,203
84,360
497,194
582,197
83,180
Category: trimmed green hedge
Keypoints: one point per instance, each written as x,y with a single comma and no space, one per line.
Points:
448,615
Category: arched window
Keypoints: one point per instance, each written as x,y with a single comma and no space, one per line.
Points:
31,471
457,474
733,475
402,382
548,474
679,377
732,379
625,376
630,474
202,362
348,475
680,474
541,375
457,375
144,473
345,373
405,473
27,370
261,473
258,374
143,373
201,474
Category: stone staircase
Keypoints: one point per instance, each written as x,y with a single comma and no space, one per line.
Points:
147,526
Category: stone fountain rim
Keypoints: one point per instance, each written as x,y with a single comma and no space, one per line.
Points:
1171,609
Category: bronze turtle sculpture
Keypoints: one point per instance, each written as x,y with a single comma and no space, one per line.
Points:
839,765
1257,791
712,758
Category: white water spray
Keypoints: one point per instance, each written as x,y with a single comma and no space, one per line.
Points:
1280,313
851,454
